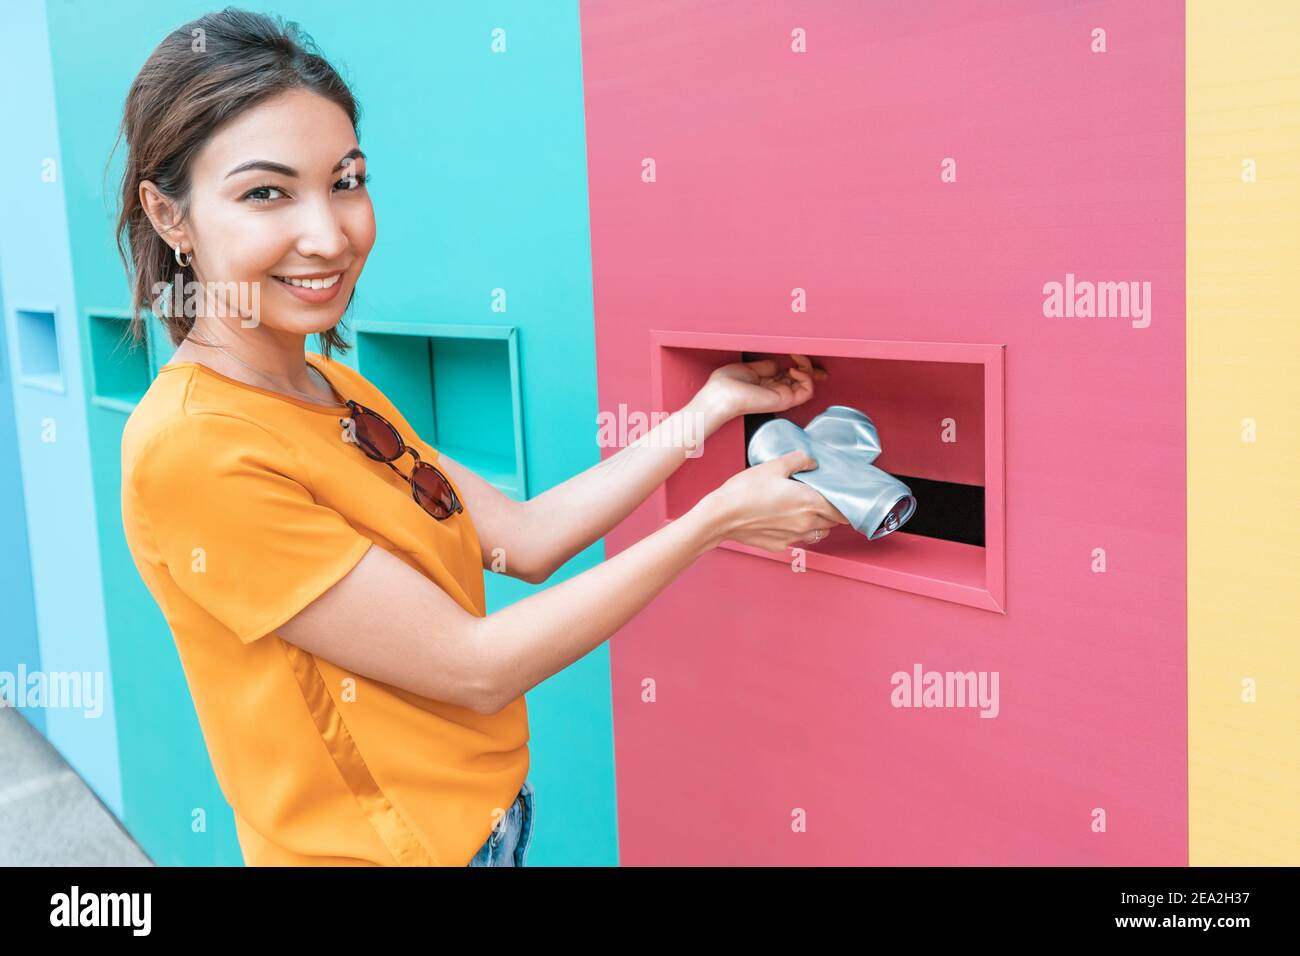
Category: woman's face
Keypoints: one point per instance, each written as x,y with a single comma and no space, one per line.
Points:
277,194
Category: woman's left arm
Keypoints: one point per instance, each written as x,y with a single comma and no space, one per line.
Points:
539,535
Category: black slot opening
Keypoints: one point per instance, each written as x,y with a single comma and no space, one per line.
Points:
946,510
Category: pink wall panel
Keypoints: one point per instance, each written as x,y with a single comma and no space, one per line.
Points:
778,170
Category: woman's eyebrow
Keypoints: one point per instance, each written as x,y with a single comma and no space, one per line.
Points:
289,171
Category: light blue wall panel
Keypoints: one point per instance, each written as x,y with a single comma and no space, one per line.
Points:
20,652
44,354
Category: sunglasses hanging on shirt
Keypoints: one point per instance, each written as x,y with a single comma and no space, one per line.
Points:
376,436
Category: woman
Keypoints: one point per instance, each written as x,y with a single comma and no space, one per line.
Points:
319,565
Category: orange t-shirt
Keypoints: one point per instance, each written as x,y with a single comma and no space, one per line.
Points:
241,506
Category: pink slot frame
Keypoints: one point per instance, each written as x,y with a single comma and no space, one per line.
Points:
950,571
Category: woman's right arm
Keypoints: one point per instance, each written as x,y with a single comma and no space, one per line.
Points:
386,621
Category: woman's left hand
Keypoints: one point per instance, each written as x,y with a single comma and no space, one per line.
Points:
743,388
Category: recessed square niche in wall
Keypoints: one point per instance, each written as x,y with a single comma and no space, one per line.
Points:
119,368
458,386
160,343
938,408
38,349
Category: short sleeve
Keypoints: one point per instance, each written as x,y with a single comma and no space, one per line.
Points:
231,513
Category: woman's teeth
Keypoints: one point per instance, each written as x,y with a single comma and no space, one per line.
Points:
312,283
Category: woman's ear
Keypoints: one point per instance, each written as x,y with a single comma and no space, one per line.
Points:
164,214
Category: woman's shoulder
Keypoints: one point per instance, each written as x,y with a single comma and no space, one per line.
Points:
168,443
341,373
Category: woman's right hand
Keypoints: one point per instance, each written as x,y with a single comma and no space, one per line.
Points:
763,507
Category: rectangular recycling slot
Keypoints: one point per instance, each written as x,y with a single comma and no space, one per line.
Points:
938,408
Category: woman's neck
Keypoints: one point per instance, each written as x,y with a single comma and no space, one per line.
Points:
276,364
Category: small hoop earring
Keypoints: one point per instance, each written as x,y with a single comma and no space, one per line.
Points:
189,257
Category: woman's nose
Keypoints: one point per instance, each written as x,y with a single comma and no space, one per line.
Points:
320,233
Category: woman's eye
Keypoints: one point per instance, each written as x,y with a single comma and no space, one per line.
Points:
263,194
257,194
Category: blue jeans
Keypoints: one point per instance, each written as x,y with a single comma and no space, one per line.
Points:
508,843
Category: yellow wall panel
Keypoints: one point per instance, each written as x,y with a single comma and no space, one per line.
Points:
1243,362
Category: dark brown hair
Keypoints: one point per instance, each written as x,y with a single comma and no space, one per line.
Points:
200,76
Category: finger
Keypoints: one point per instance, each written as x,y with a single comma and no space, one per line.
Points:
805,364
763,367
805,383
823,509
834,514
797,460
803,388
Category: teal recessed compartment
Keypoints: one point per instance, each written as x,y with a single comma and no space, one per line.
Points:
119,369
38,348
159,341
458,386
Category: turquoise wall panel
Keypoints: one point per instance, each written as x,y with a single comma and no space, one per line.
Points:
479,185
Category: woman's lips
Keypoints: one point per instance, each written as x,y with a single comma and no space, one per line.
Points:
313,296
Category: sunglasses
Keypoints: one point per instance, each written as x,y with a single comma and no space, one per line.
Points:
376,437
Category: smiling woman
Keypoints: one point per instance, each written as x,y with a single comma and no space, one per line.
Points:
253,136
242,503
302,233
359,704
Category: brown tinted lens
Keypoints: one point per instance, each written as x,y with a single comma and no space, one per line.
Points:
432,490
376,437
